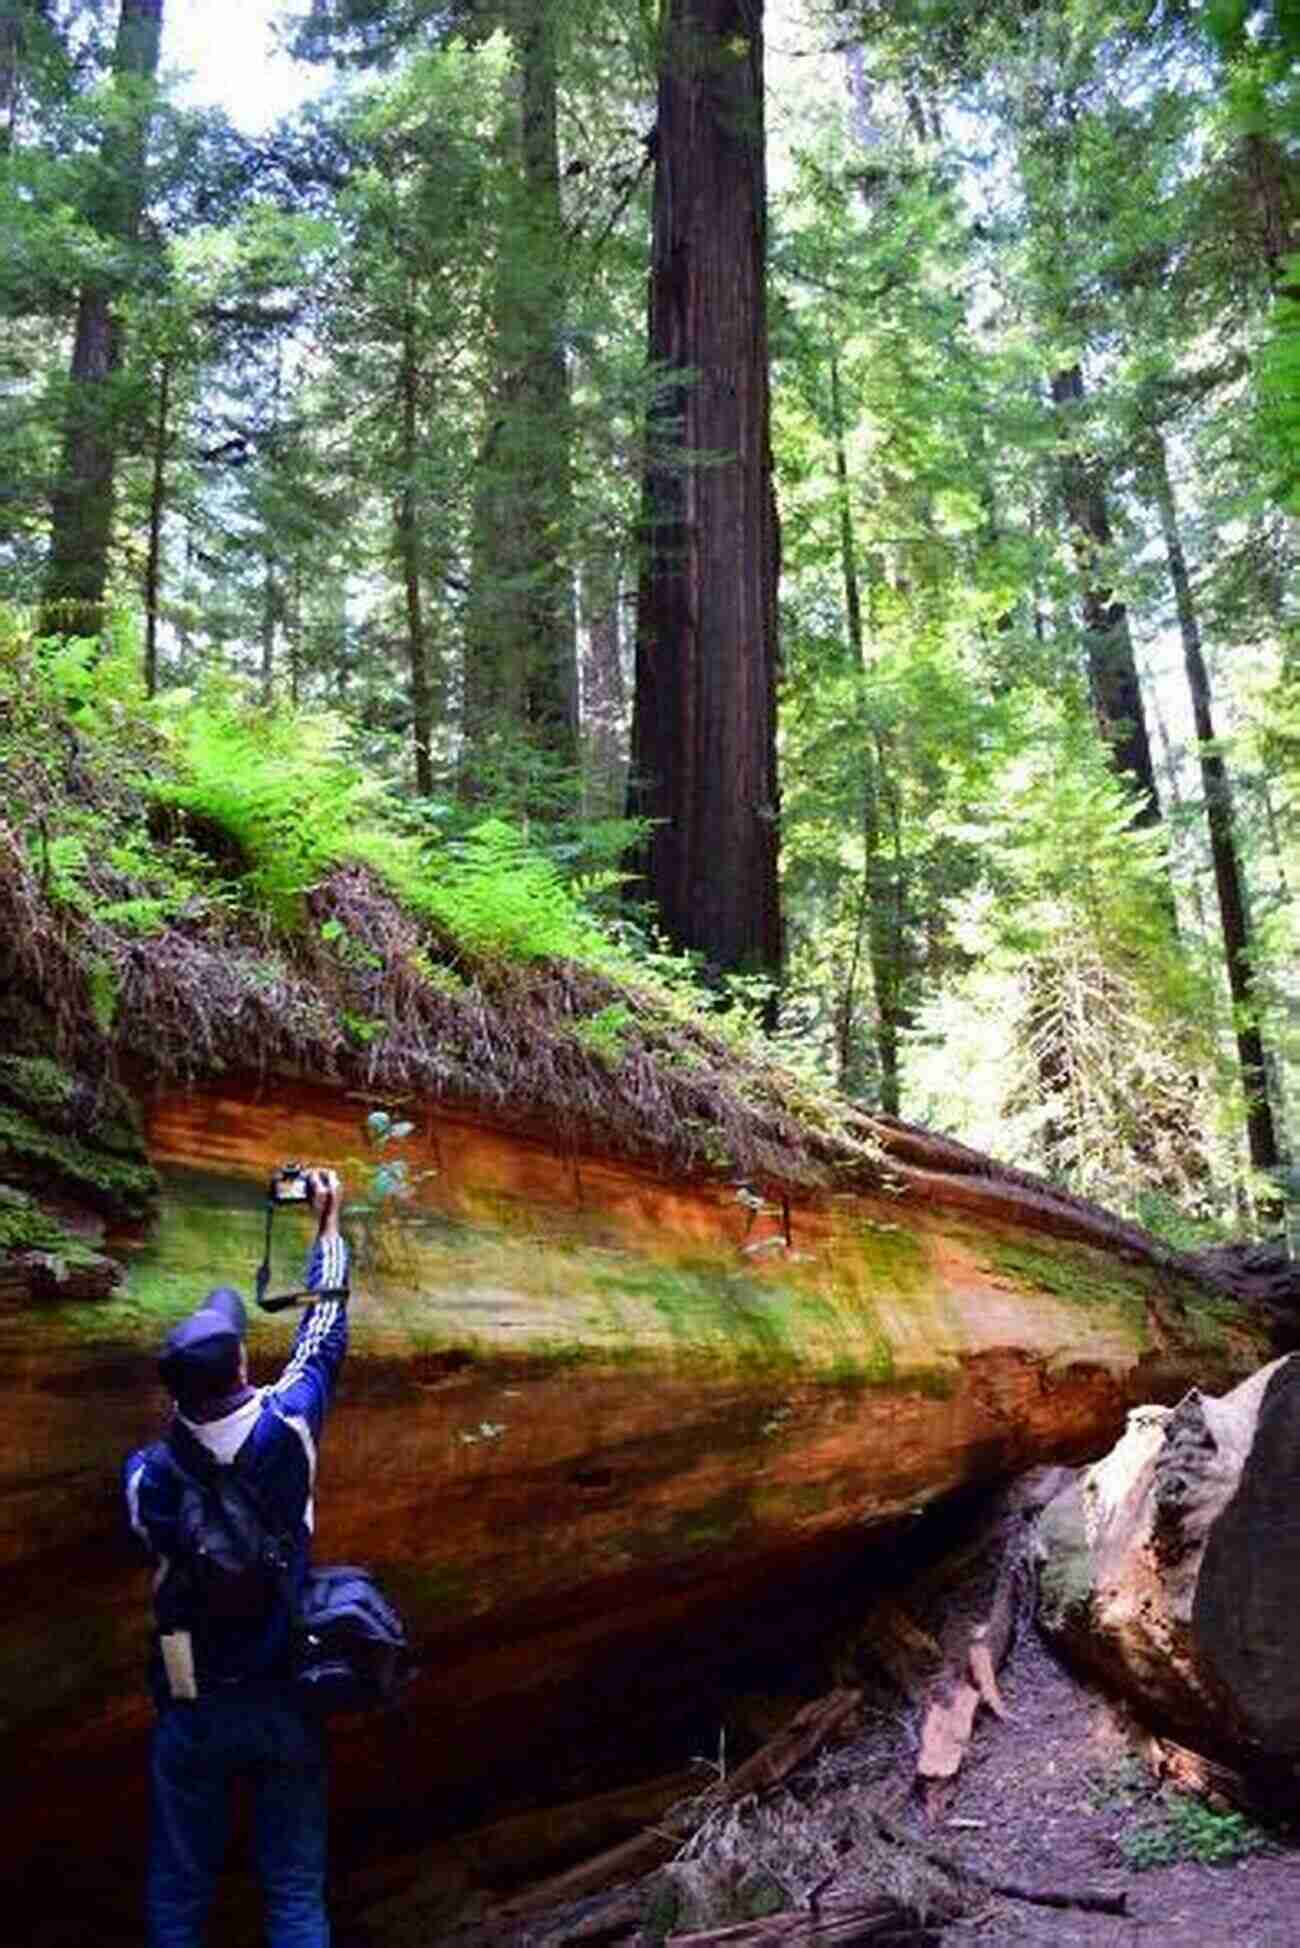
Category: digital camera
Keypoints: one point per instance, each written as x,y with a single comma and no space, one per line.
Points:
289,1184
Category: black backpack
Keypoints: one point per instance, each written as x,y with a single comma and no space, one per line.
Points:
237,1565
350,1650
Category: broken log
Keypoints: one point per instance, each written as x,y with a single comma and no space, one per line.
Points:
975,1647
1172,1569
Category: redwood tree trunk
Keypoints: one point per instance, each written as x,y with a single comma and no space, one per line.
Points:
1260,1132
1112,668
82,502
704,724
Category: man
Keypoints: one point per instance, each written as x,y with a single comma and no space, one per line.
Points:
227,1705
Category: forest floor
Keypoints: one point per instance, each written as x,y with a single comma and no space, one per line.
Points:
1053,1797
1063,1801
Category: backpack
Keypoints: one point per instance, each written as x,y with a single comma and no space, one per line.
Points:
236,1565
351,1644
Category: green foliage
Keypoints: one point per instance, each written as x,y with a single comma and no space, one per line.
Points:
390,1187
603,1034
1185,1828
292,806
35,1080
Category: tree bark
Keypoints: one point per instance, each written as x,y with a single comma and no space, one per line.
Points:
704,723
604,692
408,547
270,610
82,503
521,661
1261,1134
1112,668
157,508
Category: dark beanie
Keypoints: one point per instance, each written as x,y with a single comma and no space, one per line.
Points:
200,1356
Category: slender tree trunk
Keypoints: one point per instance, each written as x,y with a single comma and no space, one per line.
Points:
1203,928
848,543
521,665
889,932
604,692
1112,667
270,610
704,724
1274,197
878,906
408,546
157,508
1260,1132
14,16
293,634
82,503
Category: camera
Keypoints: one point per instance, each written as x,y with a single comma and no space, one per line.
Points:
290,1184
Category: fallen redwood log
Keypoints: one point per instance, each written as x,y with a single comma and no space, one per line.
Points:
1172,1569
584,1434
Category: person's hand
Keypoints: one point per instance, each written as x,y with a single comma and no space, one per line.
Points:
326,1188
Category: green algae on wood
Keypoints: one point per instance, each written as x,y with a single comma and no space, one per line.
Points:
1075,1271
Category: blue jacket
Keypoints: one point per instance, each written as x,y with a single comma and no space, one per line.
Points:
276,1431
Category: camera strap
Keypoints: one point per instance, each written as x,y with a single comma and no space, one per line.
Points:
283,1300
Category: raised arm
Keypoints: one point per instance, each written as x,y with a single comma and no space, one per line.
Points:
307,1384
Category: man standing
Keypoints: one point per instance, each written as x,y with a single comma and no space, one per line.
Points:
220,1670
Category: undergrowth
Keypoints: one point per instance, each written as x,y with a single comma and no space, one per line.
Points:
200,883
1186,1828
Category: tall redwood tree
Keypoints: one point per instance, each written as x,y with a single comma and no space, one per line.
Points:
704,720
82,501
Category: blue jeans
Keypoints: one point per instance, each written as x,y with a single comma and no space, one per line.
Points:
259,1732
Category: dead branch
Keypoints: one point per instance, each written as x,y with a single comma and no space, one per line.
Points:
810,1728
1086,1899
879,1922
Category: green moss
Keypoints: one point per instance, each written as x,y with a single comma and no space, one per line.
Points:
895,1259
24,1226
108,1183
36,1080
710,1308
1075,1271
100,1113
1211,1318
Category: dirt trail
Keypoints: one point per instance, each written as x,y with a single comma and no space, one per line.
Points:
1058,1793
